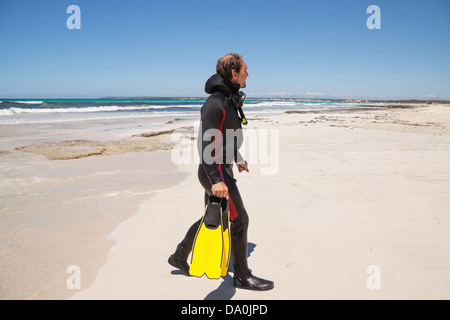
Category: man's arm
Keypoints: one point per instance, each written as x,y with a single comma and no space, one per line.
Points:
211,138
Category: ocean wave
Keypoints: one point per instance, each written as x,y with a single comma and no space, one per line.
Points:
269,104
6,112
82,118
293,105
26,102
251,105
287,103
15,110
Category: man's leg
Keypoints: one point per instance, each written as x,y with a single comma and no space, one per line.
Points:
243,277
179,258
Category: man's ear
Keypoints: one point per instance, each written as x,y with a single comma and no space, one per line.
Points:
233,74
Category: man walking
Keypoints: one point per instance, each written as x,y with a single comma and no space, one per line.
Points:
221,113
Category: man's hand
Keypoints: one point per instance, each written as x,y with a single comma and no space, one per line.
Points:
220,190
242,166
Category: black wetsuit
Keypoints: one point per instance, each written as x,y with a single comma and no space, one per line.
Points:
219,113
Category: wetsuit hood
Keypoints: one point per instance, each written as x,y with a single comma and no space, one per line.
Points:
217,83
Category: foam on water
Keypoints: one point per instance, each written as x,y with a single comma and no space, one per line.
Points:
95,109
54,111
27,102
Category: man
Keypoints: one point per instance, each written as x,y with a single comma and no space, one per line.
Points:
220,113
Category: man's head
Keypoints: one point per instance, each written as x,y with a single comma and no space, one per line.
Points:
232,67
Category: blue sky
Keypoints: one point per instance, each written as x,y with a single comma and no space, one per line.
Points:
311,49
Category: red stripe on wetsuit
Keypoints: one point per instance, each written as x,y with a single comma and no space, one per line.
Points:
217,146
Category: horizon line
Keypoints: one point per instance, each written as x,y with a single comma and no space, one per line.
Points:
248,97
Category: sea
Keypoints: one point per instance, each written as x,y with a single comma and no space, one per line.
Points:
23,111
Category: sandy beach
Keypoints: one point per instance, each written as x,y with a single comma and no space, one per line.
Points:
349,204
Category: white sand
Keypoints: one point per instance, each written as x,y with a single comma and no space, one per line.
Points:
353,191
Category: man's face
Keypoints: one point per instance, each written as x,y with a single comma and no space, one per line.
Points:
241,77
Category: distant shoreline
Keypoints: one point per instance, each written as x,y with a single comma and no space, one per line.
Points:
249,98
300,99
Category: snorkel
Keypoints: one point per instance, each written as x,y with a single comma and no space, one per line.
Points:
238,100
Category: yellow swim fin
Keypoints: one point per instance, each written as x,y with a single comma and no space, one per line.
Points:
226,241
207,250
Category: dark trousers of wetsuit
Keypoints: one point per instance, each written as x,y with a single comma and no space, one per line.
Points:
238,227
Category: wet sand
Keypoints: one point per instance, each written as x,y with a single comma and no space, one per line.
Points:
58,213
